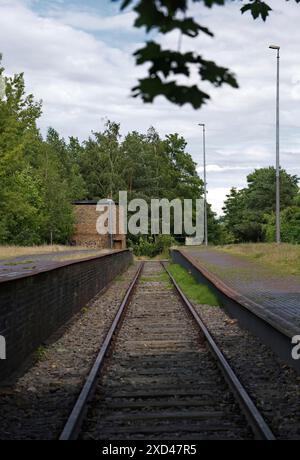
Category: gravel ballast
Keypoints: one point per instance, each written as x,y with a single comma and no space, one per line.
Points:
273,385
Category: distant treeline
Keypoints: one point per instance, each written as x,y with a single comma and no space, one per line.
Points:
250,212
41,177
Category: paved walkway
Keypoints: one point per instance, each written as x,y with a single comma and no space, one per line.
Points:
30,264
279,295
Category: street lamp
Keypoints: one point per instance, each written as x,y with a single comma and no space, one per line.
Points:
205,186
278,236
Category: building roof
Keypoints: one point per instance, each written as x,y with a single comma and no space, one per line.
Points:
85,202
90,202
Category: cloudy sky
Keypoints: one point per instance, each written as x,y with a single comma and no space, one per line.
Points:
77,58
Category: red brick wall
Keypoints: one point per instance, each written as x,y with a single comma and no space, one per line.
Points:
86,217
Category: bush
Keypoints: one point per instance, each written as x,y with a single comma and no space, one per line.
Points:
151,246
164,242
290,226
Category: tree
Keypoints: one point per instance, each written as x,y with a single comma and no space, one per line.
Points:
261,194
185,179
248,210
290,223
215,227
39,179
20,192
234,220
166,66
146,166
22,210
100,163
65,156
134,165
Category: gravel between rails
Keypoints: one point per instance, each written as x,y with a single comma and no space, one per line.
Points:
161,382
39,403
273,386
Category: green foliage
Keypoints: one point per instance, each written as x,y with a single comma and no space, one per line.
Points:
147,167
167,66
216,229
290,225
144,165
101,163
38,178
144,246
198,293
164,242
249,212
174,63
41,353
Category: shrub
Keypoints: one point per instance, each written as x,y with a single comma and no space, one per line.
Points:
151,246
290,226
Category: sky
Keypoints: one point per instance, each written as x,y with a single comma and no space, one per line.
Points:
77,58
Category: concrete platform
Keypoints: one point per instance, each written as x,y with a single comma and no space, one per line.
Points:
30,264
273,297
36,303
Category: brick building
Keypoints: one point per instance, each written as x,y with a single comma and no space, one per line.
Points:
86,217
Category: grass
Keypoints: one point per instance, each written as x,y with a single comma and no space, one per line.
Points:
10,252
165,255
163,277
14,264
80,255
41,353
283,259
198,293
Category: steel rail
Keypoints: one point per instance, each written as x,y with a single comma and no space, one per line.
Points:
259,426
72,427
273,331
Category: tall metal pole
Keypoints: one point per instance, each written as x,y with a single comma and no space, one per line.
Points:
278,230
278,236
205,185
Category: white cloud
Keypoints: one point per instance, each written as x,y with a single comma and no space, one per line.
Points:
89,22
82,79
217,196
222,169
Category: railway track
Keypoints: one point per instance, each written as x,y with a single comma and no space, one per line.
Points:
159,375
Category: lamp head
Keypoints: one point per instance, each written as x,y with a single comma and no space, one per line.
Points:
274,47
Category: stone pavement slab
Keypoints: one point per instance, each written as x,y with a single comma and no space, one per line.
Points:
278,295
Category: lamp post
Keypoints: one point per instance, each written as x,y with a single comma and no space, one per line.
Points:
205,185
278,236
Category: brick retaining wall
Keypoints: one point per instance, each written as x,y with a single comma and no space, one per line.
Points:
32,308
